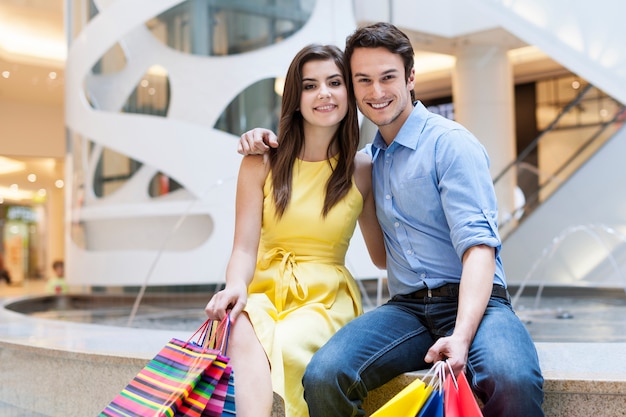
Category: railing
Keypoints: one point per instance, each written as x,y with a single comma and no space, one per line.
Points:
557,152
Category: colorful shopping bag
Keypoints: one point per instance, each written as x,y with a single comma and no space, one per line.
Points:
407,402
433,407
411,399
199,399
222,401
160,388
459,400
179,381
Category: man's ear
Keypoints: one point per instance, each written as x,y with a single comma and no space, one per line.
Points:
410,82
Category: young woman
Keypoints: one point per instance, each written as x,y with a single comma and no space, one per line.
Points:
295,214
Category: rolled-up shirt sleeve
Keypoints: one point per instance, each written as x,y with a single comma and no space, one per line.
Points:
467,193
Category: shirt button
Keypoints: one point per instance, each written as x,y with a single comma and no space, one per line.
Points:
423,275
396,224
409,252
388,197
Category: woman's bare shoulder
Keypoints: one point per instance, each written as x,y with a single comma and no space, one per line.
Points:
362,161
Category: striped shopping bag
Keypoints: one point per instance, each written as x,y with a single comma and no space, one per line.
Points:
222,401
179,381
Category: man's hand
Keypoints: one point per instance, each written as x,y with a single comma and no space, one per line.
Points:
450,348
257,142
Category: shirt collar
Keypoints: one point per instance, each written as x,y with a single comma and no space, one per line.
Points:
409,133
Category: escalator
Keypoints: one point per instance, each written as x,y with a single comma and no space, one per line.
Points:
571,227
567,231
576,232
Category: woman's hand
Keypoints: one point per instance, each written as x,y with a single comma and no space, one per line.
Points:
231,300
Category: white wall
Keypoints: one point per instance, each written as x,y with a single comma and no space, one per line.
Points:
34,130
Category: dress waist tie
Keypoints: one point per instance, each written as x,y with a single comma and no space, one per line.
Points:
287,276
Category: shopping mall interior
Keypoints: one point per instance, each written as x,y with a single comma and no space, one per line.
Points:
118,129
560,118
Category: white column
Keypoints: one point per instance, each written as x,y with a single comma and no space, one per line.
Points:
483,95
56,210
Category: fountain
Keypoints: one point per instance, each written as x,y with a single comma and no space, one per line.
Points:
93,344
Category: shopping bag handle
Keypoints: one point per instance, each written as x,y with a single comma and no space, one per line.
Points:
213,334
435,375
451,372
219,335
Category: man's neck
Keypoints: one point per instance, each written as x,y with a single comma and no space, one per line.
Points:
390,131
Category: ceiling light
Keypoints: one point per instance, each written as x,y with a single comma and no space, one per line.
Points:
426,62
14,194
157,70
6,74
59,183
19,39
279,85
8,165
31,177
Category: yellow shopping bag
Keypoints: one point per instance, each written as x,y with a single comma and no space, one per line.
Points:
407,402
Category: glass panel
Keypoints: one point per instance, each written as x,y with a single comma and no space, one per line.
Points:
227,27
257,105
161,185
113,170
93,9
77,155
113,60
152,94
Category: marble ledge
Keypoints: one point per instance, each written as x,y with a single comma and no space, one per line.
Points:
579,377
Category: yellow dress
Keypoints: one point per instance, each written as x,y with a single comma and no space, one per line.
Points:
302,293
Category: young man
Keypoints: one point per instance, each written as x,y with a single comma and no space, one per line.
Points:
437,207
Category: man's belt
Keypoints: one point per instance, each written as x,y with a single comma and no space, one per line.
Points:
452,290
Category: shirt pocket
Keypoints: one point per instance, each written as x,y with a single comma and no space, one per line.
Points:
417,200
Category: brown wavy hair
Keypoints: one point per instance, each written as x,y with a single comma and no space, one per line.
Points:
291,133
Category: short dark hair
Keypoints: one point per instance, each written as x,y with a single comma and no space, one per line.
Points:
57,263
381,35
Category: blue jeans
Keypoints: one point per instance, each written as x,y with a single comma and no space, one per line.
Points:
502,367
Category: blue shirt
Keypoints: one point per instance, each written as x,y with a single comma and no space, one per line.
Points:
434,199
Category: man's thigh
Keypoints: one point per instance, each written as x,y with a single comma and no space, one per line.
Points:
380,345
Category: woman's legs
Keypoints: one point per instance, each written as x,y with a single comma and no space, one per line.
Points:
253,383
